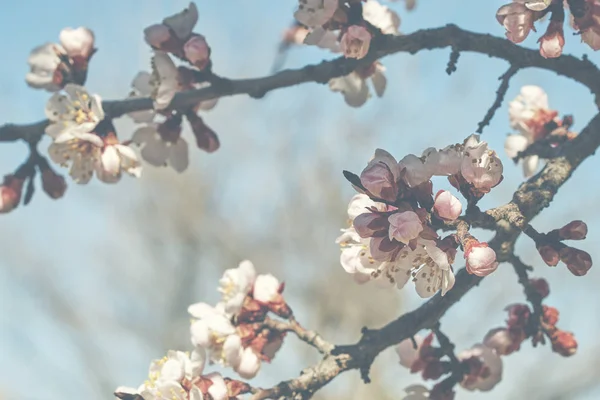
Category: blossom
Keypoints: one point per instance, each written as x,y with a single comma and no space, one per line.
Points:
515,144
381,17
314,13
481,259
354,85
117,158
177,365
553,41
156,35
404,226
10,193
407,353
249,364
481,167
142,86
537,5
484,368
529,112
165,80
444,162
360,203
380,176
589,24
235,285
433,272
319,37
44,62
517,19
78,43
211,329
502,341
355,42
447,206
197,52
73,115
415,170
163,145
83,152
182,23
266,288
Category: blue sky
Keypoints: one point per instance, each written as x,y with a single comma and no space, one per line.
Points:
423,107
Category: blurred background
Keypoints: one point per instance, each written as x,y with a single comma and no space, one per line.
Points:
95,285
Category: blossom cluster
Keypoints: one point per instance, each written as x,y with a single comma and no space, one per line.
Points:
532,118
232,333
519,16
393,221
347,27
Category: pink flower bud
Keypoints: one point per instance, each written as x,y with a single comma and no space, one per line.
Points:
518,316
407,353
541,286
54,185
197,52
502,341
355,42
10,193
78,43
367,224
447,206
578,261
549,255
574,230
404,226
550,315
156,35
553,41
206,138
564,343
481,259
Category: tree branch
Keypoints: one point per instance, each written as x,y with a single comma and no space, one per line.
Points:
307,336
582,71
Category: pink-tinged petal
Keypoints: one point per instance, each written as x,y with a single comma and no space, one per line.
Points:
111,162
182,23
179,155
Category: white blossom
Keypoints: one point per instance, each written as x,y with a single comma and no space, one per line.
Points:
182,23
481,167
314,13
249,364
443,162
235,285
381,17
165,80
525,106
322,38
73,114
83,152
354,85
159,152
142,87
433,271
43,63
78,43
266,288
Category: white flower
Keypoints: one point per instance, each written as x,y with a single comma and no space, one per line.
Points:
515,144
490,374
218,389
314,13
434,272
83,152
359,204
78,43
182,23
164,390
165,80
381,17
75,113
354,85
481,167
249,364
322,38
407,352
443,162
158,151
404,226
416,171
142,87
177,365
235,285
524,108
117,158
43,62
266,288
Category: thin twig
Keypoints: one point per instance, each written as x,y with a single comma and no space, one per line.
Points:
308,336
500,93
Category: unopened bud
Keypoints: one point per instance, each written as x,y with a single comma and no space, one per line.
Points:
549,255
550,315
574,230
541,286
206,138
10,193
433,370
564,343
518,315
54,185
197,52
578,261
481,259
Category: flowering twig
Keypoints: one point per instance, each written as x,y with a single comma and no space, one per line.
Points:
500,93
308,336
533,296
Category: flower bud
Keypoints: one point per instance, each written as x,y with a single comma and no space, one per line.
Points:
578,261
550,315
433,370
518,316
266,288
355,42
446,206
549,255
574,230
10,193
553,41
197,52
481,259
249,364
541,286
54,185
206,138
156,35
404,226
564,343
502,341
78,43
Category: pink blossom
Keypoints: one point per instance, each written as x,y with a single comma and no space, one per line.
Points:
484,368
481,259
196,51
447,206
355,42
380,177
404,226
553,41
78,43
481,166
156,35
10,193
517,20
